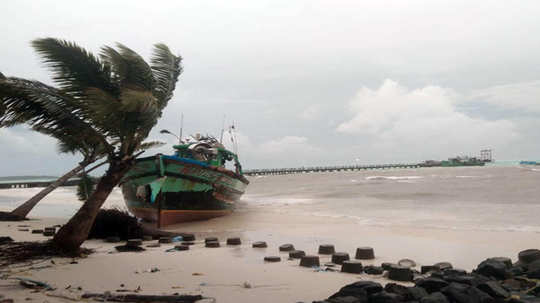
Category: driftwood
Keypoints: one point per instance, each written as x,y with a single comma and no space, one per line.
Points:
143,298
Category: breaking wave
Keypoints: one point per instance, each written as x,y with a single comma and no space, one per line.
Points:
394,178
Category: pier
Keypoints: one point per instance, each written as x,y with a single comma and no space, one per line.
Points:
30,183
322,169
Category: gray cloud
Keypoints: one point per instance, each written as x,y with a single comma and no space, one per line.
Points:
285,70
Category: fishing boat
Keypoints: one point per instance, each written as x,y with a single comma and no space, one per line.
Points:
192,184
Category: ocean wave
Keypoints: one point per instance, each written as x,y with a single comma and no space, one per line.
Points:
412,223
394,178
275,200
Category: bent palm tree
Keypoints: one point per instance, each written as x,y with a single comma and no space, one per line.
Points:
29,102
113,100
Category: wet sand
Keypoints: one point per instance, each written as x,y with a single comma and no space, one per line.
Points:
223,273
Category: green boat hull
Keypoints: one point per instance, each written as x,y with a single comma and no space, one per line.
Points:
170,190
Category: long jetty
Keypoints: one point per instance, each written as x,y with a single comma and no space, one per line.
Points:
323,169
30,183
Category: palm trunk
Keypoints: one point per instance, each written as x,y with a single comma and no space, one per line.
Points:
75,232
25,208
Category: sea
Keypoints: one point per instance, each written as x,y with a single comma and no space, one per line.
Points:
503,197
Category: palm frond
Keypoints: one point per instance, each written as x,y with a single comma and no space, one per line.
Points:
74,68
150,144
166,68
46,110
129,69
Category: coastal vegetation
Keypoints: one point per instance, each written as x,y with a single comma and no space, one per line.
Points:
104,107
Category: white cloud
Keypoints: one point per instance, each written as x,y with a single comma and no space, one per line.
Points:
425,120
516,96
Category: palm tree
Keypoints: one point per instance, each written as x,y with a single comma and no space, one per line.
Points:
113,100
49,119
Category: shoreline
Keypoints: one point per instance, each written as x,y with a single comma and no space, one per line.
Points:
223,272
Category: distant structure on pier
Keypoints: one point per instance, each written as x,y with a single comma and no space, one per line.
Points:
485,155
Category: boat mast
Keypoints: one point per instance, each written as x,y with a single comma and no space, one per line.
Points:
222,130
181,128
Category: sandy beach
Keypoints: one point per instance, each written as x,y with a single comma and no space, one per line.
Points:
238,273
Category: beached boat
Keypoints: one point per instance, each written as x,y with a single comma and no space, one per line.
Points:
193,184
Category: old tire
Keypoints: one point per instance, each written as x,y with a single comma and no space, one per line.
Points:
309,261
259,244
326,249
400,273
297,254
352,267
234,241
188,237
364,253
340,257
165,240
212,244
286,247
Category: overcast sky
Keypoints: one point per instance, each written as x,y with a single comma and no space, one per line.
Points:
310,82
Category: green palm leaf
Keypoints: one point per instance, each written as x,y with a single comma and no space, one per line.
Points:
166,68
48,111
74,68
129,69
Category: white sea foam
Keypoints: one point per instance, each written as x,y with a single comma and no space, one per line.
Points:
263,201
414,223
394,178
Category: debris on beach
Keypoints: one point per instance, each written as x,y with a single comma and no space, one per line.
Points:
177,239
178,248
33,284
17,252
107,296
115,223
